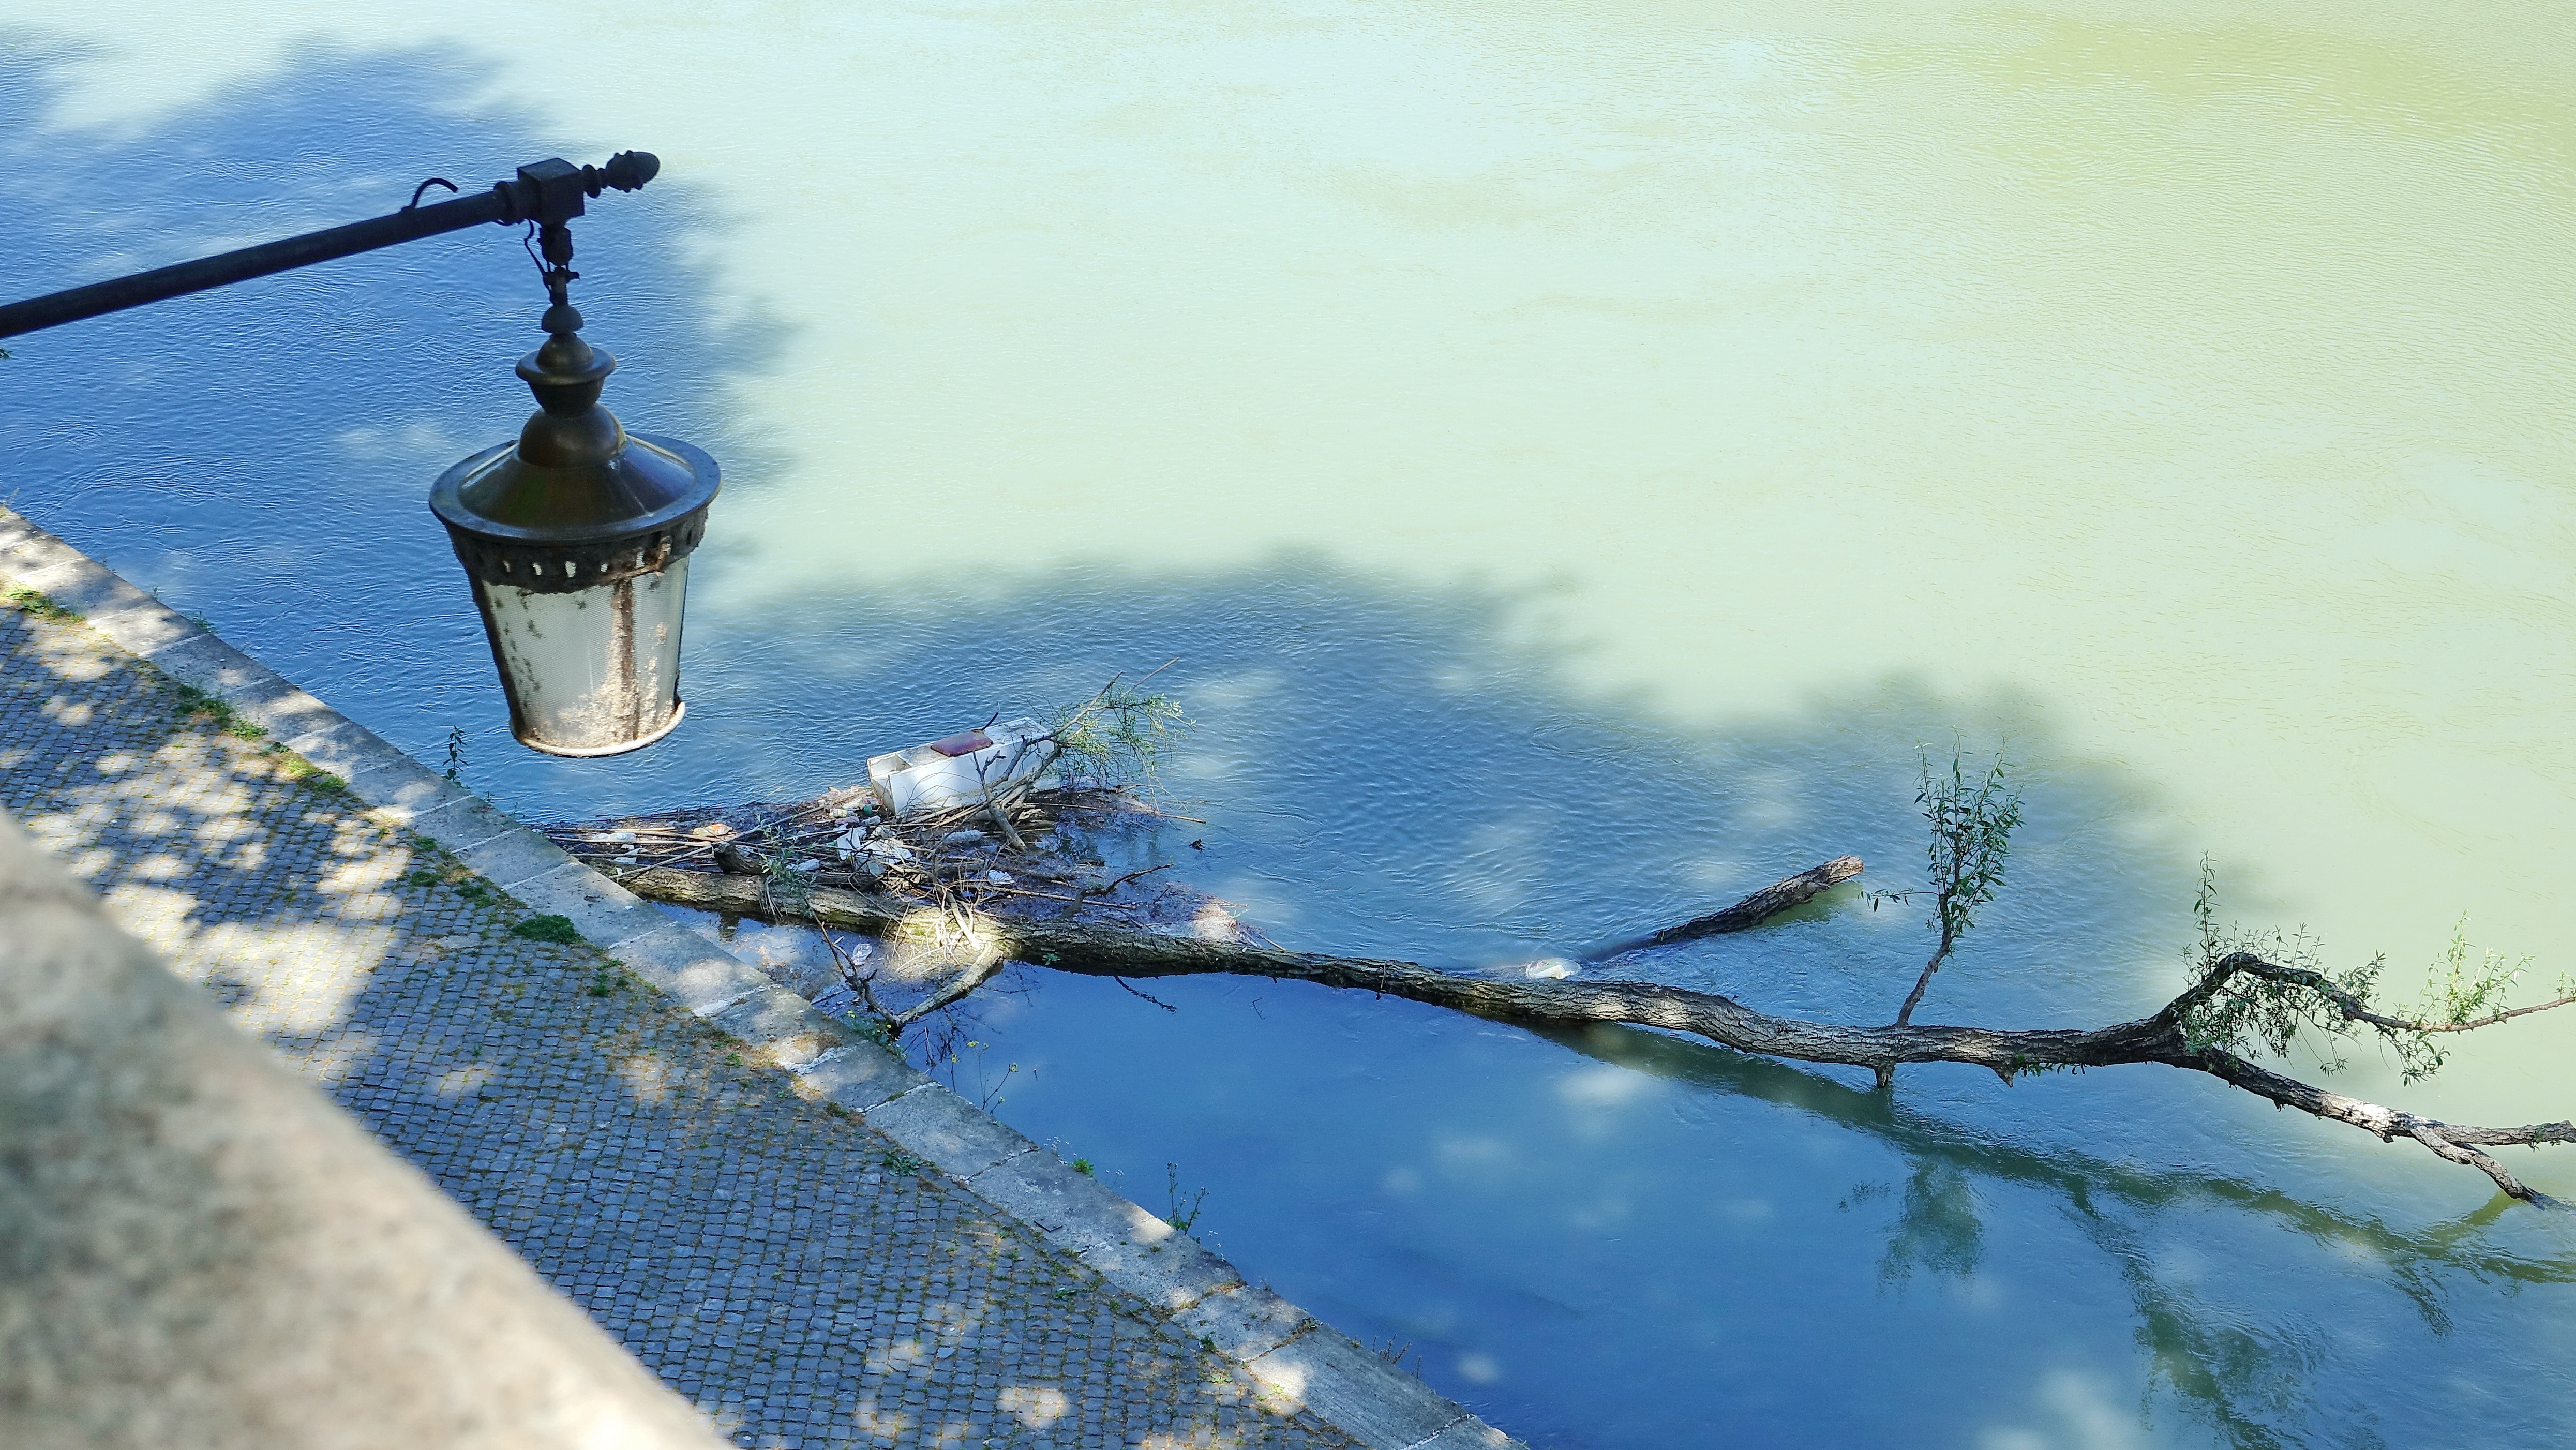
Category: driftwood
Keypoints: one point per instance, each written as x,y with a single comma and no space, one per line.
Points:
799,844
1744,915
2162,1038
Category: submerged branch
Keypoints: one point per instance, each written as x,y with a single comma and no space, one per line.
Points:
955,990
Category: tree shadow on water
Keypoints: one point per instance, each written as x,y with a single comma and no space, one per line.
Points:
1415,751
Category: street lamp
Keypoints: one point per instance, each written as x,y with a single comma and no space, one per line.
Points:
576,537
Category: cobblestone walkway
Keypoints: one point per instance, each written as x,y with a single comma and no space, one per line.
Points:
785,1267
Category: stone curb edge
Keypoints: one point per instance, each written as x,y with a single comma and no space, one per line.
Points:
1282,1348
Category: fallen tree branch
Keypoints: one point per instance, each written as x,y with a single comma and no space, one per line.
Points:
1095,950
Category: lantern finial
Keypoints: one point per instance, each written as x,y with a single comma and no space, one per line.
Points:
570,429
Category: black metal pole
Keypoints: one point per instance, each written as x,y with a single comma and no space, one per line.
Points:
549,192
249,262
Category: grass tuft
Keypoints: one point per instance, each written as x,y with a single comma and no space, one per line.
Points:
38,604
196,704
556,929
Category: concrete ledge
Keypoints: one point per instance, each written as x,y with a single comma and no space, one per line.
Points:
349,751
147,621
861,1075
951,1134
463,820
702,976
604,911
1468,1434
781,1023
323,740
1373,1402
1278,1344
62,581
402,790
515,858
1136,1252
206,662
1244,1322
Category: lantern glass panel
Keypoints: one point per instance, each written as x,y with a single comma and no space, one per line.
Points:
590,671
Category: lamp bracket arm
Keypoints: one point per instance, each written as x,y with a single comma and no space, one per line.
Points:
550,193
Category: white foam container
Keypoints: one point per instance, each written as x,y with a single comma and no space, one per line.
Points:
926,778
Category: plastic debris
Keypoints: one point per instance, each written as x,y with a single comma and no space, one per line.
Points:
965,769
962,838
998,878
1553,969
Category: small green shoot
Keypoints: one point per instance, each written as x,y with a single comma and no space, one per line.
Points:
1180,1217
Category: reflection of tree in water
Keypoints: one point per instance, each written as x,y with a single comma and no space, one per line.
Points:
2246,1383
2254,1387
1936,1224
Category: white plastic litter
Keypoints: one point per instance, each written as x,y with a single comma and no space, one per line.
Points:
963,769
1550,969
998,878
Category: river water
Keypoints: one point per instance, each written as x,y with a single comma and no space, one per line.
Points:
1576,456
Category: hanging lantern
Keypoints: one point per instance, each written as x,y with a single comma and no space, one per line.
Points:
577,539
